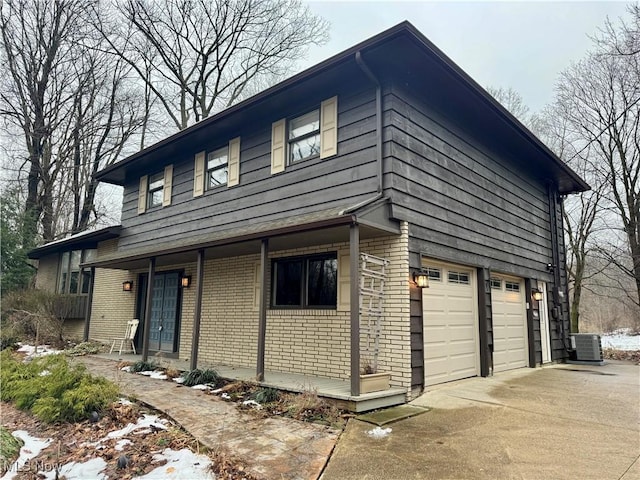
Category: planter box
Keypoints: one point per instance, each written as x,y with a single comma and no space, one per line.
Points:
374,382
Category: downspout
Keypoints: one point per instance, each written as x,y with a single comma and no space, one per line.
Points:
365,69
555,256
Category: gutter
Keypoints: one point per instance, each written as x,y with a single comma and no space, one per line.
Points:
367,71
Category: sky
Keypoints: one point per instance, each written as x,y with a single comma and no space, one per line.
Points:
522,45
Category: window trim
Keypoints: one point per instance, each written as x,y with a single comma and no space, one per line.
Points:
159,178
304,283
208,171
290,141
511,286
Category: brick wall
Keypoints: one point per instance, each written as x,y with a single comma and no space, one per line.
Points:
314,342
111,308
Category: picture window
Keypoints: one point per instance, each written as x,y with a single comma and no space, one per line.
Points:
305,282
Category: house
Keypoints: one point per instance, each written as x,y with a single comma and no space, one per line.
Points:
248,240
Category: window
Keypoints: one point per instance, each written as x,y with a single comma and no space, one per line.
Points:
511,286
434,274
304,137
155,192
71,279
459,277
496,283
305,282
217,168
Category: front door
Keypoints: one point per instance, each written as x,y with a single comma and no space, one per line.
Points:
164,312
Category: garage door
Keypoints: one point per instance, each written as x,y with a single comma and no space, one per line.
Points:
450,324
509,323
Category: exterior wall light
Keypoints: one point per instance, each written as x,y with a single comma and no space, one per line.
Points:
185,281
421,279
127,286
536,294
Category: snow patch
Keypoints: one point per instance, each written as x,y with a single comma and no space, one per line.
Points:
31,351
225,395
124,401
379,432
157,374
144,424
80,471
119,446
31,449
126,369
179,380
201,387
181,464
252,403
621,340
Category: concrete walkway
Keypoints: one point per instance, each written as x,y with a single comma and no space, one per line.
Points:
558,422
270,448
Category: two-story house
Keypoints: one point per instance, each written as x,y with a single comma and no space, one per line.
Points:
243,237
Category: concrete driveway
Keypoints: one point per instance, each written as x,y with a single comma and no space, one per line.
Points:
557,422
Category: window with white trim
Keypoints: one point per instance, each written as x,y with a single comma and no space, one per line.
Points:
496,283
155,190
305,282
217,168
459,278
304,136
434,274
511,286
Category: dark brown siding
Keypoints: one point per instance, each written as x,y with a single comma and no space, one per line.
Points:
417,341
466,202
314,185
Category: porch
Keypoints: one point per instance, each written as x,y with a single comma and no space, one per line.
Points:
335,390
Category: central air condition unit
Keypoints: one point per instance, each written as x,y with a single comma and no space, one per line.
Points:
587,347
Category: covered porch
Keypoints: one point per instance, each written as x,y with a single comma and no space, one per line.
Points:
336,376
335,390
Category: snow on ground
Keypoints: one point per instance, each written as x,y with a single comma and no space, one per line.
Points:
181,464
143,425
620,340
119,446
157,374
31,449
79,471
31,351
378,432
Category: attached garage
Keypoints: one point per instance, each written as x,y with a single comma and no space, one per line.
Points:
450,317
509,323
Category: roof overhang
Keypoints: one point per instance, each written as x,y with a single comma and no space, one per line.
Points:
83,240
401,50
300,231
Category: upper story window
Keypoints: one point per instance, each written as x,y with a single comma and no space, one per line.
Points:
312,135
71,278
156,186
305,282
155,190
304,137
217,167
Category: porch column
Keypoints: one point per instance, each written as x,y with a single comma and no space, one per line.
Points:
195,340
87,312
147,311
354,266
262,319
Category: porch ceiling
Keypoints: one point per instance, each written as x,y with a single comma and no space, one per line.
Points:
298,232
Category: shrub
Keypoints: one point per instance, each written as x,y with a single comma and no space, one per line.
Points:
53,389
200,377
9,448
141,366
84,348
266,395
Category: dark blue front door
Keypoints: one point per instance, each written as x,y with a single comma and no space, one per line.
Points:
164,309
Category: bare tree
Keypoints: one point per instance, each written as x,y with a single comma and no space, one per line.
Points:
73,104
200,56
599,98
513,102
37,54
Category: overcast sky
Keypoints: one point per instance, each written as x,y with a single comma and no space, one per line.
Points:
523,45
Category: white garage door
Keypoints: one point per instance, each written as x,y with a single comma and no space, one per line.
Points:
450,323
509,323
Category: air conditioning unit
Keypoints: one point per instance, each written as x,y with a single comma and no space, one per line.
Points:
587,347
